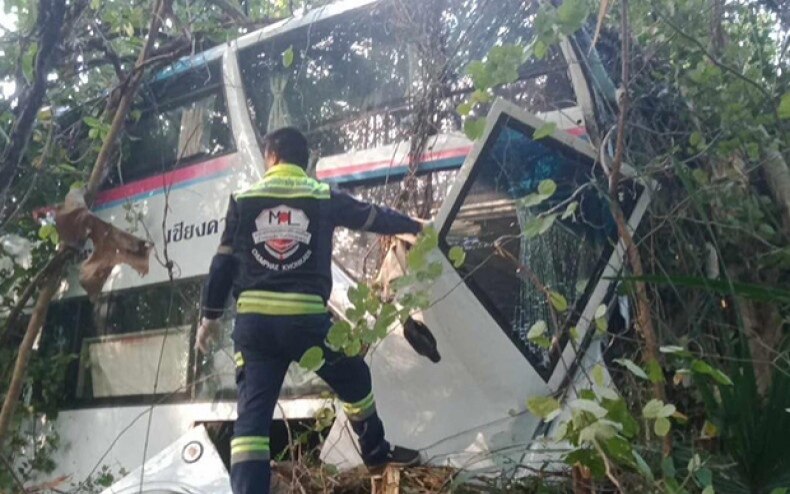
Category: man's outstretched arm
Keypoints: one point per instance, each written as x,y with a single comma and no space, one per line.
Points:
219,281
362,216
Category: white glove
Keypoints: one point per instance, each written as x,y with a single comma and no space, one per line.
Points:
207,333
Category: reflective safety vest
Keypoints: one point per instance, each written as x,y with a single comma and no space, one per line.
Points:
276,249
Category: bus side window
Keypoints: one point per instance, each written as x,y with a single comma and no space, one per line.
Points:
182,121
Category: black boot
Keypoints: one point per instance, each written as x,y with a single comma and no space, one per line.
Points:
398,457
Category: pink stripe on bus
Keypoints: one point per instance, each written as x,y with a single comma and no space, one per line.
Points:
363,167
168,179
427,157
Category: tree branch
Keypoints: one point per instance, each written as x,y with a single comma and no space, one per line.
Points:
50,21
644,320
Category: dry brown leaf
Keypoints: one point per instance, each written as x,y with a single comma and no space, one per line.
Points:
111,245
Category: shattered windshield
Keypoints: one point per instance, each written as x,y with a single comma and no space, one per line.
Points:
568,258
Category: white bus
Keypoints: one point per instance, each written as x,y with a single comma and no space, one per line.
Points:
137,385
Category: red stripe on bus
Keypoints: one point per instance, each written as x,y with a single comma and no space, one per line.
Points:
165,180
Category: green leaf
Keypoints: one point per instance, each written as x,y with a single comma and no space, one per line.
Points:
704,476
575,334
544,407
338,334
571,14
92,122
481,96
540,49
709,430
605,393
532,200
588,406
474,127
547,187
532,228
784,107
642,466
537,330
601,325
589,458
600,430
355,313
353,348
544,130
695,139
288,57
654,409
618,412
662,426
632,367
702,367
780,490
600,311
570,210
619,449
671,349
46,231
558,301
479,73
312,359
434,269
457,256
708,490
546,223
654,372
464,108
598,375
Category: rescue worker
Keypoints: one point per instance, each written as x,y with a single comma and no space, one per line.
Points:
275,254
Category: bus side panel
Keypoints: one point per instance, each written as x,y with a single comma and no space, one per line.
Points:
182,213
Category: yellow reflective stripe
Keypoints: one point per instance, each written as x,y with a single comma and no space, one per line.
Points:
278,308
249,447
283,304
242,440
239,358
285,185
282,193
263,294
360,406
287,170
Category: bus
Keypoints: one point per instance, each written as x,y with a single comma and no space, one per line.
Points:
353,81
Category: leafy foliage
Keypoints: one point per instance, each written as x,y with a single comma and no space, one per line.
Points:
370,318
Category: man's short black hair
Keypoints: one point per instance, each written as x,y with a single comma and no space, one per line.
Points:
288,144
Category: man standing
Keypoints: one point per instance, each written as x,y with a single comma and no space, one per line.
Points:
276,254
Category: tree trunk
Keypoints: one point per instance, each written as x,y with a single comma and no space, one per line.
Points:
49,24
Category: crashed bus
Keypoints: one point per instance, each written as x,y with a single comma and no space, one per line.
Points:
138,393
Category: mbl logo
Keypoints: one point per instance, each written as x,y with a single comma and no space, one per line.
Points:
280,217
